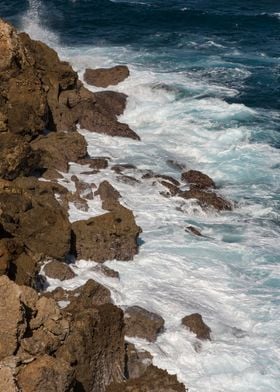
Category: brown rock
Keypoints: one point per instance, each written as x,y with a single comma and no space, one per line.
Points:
5,257
58,270
206,199
196,324
170,179
119,168
128,180
95,163
153,380
109,196
83,189
95,347
12,317
58,149
106,237
112,102
143,324
17,157
194,231
7,378
173,189
198,180
103,269
137,361
104,77
46,374
41,342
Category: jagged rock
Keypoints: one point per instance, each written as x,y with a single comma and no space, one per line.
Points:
128,180
58,270
169,179
194,231
12,317
113,102
137,361
5,257
95,163
104,77
153,380
7,377
119,168
17,157
143,324
173,189
95,347
58,149
198,179
83,189
206,199
47,374
103,269
106,237
196,324
31,214
109,196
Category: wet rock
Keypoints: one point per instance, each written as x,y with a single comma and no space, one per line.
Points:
175,165
104,77
109,272
58,270
17,157
198,179
95,347
106,237
196,325
95,163
207,199
173,189
169,179
83,189
47,374
109,196
119,168
193,230
58,149
128,180
113,102
153,380
143,324
137,361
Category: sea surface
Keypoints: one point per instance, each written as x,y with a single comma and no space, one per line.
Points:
204,91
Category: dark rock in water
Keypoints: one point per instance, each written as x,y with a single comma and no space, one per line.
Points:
176,165
104,77
83,189
196,325
47,373
107,237
194,231
57,270
58,149
17,157
168,178
112,102
198,180
137,361
153,380
109,196
103,269
95,163
206,199
143,324
119,168
128,180
173,189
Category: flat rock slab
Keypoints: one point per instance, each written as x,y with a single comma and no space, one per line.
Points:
104,77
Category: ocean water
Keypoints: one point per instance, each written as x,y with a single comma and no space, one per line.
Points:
204,91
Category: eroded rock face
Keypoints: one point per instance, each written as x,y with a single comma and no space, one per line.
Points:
47,374
143,324
106,237
104,77
153,380
196,324
137,361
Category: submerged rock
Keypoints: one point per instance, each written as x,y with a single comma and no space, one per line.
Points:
196,325
143,324
207,199
198,179
104,77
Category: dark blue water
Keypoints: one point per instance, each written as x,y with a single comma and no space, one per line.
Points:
247,34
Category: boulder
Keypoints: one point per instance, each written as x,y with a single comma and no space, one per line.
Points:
143,324
206,199
195,324
57,270
58,149
97,163
137,361
106,237
173,190
17,157
198,179
112,102
103,269
104,77
153,380
109,196
47,374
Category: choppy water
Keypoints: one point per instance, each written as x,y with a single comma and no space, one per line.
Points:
204,90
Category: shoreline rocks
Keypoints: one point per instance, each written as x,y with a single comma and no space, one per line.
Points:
104,77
